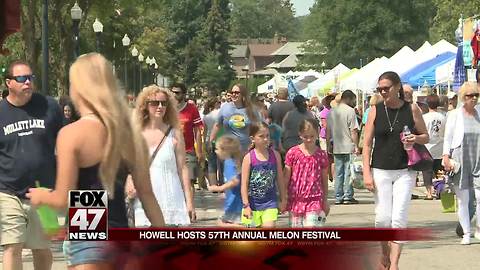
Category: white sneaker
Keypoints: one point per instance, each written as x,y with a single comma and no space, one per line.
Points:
477,234
465,240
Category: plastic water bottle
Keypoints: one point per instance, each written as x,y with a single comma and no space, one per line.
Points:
322,218
405,133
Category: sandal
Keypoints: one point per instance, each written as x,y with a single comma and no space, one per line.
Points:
385,263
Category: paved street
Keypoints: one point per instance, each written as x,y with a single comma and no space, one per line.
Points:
444,252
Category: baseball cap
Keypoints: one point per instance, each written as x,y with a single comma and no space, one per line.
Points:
451,95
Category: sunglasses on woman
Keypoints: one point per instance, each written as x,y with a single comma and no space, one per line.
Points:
385,89
155,103
472,95
22,78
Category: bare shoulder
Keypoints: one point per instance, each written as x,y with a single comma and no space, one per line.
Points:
84,130
415,108
246,158
70,132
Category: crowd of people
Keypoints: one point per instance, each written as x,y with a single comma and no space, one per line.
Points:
267,155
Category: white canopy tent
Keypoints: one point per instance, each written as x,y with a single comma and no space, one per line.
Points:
273,84
444,46
402,61
422,54
444,73
405,56
365,78
328,77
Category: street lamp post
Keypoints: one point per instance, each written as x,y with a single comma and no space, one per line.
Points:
148,61
246,68
126,43
134,54
76,14
154,70
98,29
45,47
140,59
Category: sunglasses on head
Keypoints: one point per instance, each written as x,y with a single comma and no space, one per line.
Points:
22,78
472,95
155,103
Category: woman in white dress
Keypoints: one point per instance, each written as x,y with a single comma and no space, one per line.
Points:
156,112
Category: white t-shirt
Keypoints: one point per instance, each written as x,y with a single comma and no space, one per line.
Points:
210,120
435,123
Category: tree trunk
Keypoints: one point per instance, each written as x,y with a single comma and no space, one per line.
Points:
29,33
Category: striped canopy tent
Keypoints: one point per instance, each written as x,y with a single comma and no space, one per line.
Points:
327,77
332,85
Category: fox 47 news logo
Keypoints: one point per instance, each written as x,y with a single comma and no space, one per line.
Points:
87,215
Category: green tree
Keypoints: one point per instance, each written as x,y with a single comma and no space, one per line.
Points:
315,55
214,36
448,13
211,75
352,30
263,19
136,18
183,20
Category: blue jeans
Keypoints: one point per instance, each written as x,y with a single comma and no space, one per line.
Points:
343,186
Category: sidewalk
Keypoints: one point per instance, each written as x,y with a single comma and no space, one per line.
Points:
444,252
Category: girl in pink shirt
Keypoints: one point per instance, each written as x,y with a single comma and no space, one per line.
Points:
306,168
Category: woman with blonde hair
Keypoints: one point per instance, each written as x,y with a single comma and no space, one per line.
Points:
97,152
157,115
462,144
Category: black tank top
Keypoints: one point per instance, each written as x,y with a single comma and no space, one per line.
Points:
388,152
88,179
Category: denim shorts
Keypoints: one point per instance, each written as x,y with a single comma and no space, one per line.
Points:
192,165
88,252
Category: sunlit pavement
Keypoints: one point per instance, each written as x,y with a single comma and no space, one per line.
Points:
444,252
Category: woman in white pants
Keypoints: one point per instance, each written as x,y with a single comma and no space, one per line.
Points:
462,144
390,179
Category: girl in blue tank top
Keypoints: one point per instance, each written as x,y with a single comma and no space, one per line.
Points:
261,177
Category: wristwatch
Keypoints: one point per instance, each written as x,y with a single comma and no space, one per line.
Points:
245,205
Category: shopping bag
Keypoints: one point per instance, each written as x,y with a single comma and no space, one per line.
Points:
448,202
356,173
471,74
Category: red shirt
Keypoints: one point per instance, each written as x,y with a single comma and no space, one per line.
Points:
189,119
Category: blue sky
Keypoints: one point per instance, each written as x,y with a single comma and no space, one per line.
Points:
302,6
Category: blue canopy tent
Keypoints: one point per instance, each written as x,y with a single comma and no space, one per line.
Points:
425,72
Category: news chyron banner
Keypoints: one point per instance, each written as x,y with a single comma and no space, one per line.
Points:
88,220
87,215
282,236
